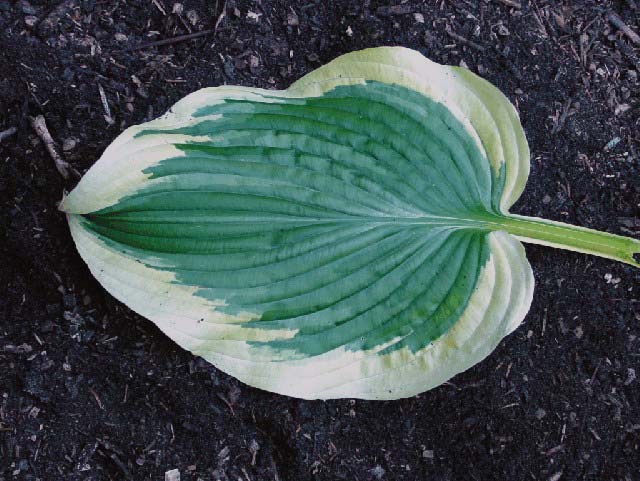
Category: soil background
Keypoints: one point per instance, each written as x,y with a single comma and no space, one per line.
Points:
91,391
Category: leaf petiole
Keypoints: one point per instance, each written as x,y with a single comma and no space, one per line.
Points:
565,236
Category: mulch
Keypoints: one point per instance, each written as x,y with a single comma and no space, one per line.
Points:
91,391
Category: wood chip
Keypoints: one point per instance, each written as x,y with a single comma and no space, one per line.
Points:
7,133
105,105
172,475
173,40
464,41
40,126
615,20
395,10
511,3
160,7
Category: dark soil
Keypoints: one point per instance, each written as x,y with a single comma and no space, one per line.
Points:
91,391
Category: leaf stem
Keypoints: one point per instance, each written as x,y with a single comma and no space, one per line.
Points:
566,236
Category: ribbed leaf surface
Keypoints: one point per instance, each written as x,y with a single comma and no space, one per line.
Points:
334,239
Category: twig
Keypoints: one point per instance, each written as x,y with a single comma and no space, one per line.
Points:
463,40
105,105
40,126
182,38
7,133
160,7
246,475
623,27
114,457
170,41
275,469
222,15
511,3
566,113
226,401
97,398
395,10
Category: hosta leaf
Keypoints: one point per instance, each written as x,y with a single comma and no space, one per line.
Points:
346,237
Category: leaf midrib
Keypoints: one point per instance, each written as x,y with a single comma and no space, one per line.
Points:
448,221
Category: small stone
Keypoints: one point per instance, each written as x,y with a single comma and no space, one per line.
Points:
428,454
193,17
540,413
177,9
68,74
26,7
418,17
378,471
120,37
612,143
173,475
69,144
349,31
556,476
30,20
611,280
620,109
546,199
631,376
503,31
218,474
254,61
69,301
578,332
292,19
254,16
